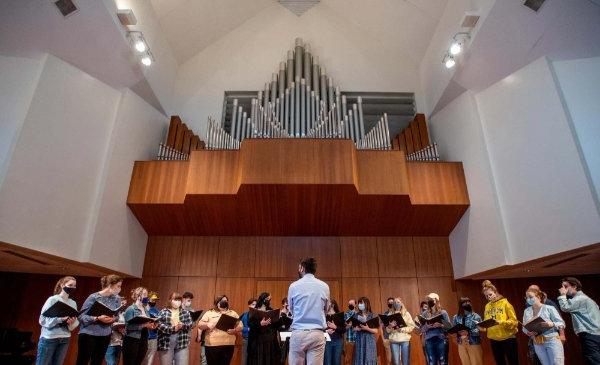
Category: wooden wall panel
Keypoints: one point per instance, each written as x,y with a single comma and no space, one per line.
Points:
163,285
295,249
335,292
163,256
326,250
359,256
423,131
353,288
405,288
269,257
444,287
238,290
409,141
277,288
402,142
235,257
199,256
173,125
414,128
432,256
203,289
396,257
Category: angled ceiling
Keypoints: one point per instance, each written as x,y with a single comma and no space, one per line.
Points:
192,25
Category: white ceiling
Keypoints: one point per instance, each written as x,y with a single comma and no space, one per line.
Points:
192,25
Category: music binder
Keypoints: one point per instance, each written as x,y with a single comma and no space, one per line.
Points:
141,320
337,319
386,319
459,327
371,323
226,322
536,325
273,315
435,319
59,310
98,309
286,322
487,323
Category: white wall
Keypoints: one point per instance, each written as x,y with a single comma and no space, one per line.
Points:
18,79
63,191
246,57
545,199
478,242
579,82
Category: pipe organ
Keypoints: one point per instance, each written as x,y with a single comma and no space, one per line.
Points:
300,101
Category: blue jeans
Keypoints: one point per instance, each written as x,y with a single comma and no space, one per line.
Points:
333,352
437,350
52,351
398,349
113,354
550,352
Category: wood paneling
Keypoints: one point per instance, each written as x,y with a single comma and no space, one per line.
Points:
359,257
254,191
444,287
238,291
405,288
277,288
432,256
396,257
203,289
402,142
199,256
269,257
163,256
409,141
354,288
163,285
235,254
423,131
173,125
414,128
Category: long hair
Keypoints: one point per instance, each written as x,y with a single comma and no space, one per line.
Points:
261,300
334,305
109,280
403,310
61,282
174,295
461,310
367,304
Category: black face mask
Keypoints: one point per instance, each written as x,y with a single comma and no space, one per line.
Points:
223,304
68,289
468,307
267,303
152,304
351,307
431,303
569,296
390,305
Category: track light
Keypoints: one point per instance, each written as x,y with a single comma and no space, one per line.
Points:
449,61
147,58
139,43
455,48
140,46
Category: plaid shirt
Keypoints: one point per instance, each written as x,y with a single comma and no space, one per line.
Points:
350,334
165,329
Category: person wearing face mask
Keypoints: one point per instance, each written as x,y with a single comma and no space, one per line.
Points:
350,334
94,334
186,304
365,347
115,347
308,299
423,310
436,340
173,332
335,347
244,319
561,333
386,341
469,342
56,331
586,317
219,344
152,333
400,337
284,327
548,347
263,344
135,342
501,336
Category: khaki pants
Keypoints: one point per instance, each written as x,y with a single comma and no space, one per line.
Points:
307,347
388,352
470,354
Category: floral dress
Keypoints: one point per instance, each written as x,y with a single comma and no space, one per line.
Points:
365,347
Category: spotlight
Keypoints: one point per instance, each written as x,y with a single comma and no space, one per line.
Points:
146,60
449,61
140,46
455,48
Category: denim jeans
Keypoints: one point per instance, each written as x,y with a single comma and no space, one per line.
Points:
550,352
172,356
52,351
113,354
437,349
333,352
400,351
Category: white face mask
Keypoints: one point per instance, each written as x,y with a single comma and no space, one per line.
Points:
176,304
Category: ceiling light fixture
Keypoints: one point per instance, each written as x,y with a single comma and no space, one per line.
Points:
141,46
449,61
147,59
458,42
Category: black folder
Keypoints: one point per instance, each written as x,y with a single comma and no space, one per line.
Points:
286,322
271,314
371,323
436,319
59,310
195,315
487,323
226,322
337,319
141,320
536,325
386,319
459,327
98,309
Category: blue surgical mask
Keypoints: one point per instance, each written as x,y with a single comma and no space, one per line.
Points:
530,300
397,305
145,300
361,307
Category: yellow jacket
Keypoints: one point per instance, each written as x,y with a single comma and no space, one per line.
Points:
504,313
402,334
